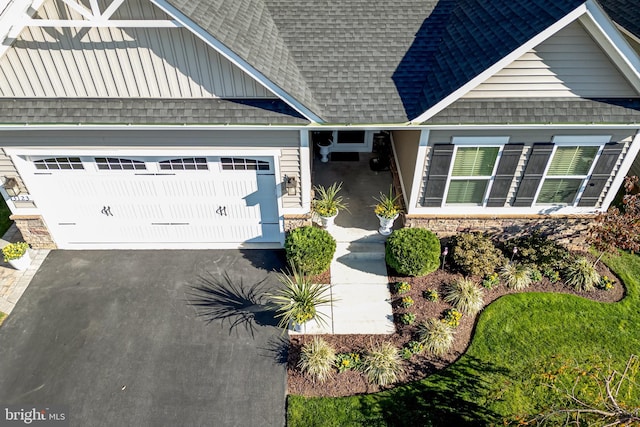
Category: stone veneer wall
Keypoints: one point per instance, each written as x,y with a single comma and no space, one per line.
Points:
295,221
34,231
569,230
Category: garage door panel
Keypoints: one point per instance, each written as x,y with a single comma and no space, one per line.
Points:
89,207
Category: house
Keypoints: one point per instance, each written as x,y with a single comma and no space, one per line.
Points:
191,123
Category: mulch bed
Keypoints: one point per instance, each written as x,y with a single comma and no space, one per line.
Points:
421,365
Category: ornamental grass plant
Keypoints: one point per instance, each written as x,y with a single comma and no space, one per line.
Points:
581,275
436,336
465,296
317,359
382,364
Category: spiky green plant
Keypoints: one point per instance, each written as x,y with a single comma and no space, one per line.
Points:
465,296
327,202
317,359
515,275
382,364
297,302
436,336
581,275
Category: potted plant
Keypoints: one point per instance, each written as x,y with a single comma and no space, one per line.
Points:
387,210
297,303
17,255
328,203
325,148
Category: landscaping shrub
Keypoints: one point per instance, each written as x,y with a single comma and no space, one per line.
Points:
581,275
317,359
406,302
452,317
491,280
382,364
430,295
516,276
475,254
435,336
348,361
402,287
297,301
411,348
413,251
537,250
408,318
465,296
310,249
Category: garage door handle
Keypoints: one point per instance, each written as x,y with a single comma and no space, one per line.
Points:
222,211
106,210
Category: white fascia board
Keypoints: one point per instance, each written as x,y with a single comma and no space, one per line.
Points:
100,23
628,160
141,151
482,77
604,32
533,127
236,60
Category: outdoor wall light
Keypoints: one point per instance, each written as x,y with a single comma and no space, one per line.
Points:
11,187
291,185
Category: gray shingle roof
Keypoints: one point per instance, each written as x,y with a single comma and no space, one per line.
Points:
146,111
539,111
625,12
363,61
246,27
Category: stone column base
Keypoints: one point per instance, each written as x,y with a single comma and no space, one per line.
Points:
34,231
295,221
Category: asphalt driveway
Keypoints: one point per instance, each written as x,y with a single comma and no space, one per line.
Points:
149,338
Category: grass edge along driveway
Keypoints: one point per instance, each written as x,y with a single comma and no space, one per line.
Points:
515,338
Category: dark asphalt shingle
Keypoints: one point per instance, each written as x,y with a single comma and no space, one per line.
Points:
146,111
539,111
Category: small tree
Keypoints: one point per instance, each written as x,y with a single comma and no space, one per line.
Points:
618,228
594,398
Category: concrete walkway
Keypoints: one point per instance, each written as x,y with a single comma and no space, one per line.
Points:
13,282
359,286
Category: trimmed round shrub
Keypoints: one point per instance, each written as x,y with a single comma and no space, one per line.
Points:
382,364
581,275
465,296
310,249
436,336
413,251
516,276
475,254
537,250
317,359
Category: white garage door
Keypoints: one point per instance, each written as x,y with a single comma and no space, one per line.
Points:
112,202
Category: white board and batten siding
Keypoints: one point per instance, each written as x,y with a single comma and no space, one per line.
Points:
568,64
119,62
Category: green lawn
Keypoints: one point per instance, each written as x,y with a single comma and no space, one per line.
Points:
2,317
516,338
5,222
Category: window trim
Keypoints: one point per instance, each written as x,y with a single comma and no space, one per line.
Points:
35,159
465,142
571,141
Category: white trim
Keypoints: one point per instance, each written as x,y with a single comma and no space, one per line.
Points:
521,50
469,144
99,23
613,43
629,158
485,141
584,178
581,139
142,152
418,176
237,60
305,171
79,8
110,10
467,210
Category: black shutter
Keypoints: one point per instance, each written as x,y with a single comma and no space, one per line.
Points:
438,172
601,173
533,172
509,160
